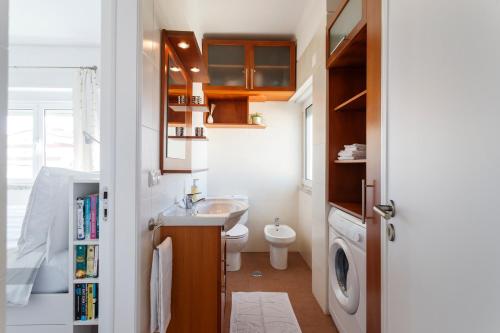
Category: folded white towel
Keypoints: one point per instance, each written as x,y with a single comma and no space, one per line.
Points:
356,146
161,286
343,158
352,153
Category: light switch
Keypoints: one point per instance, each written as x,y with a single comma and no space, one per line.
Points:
154,177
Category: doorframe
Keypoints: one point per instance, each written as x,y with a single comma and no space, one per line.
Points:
383,159
4,63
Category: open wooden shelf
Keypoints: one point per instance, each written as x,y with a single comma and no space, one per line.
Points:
350,161
188,137
358,102
176,124
353,208
235,126
188,108
86,322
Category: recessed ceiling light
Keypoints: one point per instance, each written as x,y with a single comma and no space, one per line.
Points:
183,45
175,69
195,69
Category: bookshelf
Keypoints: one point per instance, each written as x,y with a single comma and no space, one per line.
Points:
77,246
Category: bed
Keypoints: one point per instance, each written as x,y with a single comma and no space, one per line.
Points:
50,291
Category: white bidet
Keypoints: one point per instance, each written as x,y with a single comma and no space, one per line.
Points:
279,238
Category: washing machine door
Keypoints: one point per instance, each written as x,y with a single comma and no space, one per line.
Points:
343,276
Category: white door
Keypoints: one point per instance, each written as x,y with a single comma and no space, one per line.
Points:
442,63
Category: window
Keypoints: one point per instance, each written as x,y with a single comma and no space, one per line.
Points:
308,146
38,134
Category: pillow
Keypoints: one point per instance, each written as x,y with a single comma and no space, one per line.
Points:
39,214
58,234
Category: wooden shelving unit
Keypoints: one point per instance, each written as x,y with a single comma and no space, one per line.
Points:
248,126
347,116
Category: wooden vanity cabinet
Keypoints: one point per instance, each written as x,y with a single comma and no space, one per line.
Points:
262,70
198,278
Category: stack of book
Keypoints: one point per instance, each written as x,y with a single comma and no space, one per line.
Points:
86,261
87,226
86,304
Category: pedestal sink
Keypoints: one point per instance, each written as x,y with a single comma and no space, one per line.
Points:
216,211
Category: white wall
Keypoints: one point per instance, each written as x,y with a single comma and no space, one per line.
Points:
172,187
263,164
4,19
305,226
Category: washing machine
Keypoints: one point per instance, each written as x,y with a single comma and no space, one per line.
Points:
347,272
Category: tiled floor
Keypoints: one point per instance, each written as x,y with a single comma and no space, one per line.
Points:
296,281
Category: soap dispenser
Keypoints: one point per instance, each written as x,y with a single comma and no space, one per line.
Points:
195,190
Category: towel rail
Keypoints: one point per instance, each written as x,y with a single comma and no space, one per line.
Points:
153,226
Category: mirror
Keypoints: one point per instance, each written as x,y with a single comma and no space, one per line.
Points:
177,99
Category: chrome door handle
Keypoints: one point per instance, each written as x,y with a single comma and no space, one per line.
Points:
364,186
386,211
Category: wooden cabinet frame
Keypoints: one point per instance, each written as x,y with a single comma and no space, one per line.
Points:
270,93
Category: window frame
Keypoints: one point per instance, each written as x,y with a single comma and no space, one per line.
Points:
39,110
307,105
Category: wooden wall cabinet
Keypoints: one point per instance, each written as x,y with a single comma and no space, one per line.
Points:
198,280
262,70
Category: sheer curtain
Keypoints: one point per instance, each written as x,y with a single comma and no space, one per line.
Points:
86,120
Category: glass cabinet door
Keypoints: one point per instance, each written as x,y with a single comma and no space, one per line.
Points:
271,67
347,20
227,66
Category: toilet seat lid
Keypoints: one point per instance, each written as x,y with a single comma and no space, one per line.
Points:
237,231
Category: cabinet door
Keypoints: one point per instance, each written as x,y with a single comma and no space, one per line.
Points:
351,14
273,66
227,65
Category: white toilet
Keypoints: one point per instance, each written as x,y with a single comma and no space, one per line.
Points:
279,237
236,239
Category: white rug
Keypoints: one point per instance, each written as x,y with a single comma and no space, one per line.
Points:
260,312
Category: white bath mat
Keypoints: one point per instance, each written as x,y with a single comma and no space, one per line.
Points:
260,312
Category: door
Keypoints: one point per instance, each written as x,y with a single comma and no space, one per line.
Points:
227,63
442,271
273,66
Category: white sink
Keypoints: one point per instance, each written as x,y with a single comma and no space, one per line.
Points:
209,212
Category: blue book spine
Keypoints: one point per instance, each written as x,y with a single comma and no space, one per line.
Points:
78,300
87,217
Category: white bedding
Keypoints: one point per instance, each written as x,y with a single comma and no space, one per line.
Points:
53,275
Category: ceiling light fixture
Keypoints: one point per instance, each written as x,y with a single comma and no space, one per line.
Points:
175,69
195,69
183,45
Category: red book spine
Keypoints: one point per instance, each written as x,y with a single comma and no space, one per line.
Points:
93,216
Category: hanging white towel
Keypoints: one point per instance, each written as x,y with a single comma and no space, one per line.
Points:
161,286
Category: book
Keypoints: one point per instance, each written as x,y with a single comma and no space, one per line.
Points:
96,261
84,302
90,272
87,217
93,216
90,301
81,261
78,301
97,219
96,309
80,228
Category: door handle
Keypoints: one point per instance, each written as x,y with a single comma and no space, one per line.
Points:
386,211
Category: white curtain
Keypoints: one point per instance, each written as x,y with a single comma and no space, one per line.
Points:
86,117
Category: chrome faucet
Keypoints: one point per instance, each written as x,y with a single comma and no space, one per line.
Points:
188,200
277,222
